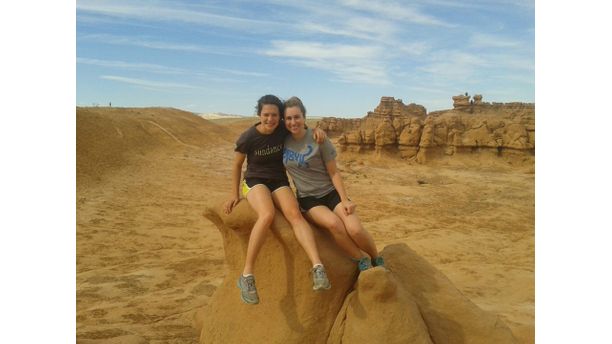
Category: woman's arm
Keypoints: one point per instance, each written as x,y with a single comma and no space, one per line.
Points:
319,135
236,174
347,206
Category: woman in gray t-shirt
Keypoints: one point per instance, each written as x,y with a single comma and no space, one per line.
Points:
320,190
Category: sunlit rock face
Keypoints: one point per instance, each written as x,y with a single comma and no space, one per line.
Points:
472,126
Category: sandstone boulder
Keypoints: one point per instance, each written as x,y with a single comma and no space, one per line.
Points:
369,137
427,139
385,134
461,101
354,137
409,302
411,134
289,310
413,302
337,126
479,135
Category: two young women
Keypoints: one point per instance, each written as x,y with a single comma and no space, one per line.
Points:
266,185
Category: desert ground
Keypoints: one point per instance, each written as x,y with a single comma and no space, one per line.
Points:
147,259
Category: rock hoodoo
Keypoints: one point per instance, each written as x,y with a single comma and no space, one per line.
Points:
471,126
410,302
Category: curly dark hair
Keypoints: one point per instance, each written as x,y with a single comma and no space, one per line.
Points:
270,99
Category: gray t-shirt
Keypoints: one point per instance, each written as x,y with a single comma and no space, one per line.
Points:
305,161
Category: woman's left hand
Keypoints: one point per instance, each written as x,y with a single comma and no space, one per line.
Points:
348,207
319,135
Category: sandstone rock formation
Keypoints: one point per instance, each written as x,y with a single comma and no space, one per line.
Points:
289,310
461,101
389,108
503,129
410,302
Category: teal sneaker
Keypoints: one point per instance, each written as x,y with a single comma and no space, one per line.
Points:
248,291
319,278
364,263
378,261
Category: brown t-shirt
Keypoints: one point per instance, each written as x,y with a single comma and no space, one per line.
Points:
264,152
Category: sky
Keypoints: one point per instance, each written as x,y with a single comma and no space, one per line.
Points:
339,57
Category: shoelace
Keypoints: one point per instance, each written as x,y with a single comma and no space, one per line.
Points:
250,284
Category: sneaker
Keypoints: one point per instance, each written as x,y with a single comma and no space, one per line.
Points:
364,263
248,291
319,278
378,261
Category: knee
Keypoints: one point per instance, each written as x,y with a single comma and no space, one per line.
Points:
294,216
266,217
355,230
336,228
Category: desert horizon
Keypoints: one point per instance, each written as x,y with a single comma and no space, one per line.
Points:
149,262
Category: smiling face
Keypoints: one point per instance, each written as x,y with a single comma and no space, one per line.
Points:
269,117
294,120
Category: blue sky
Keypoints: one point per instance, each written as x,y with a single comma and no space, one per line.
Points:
340,57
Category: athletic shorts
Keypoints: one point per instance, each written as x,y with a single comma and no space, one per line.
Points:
330,200
271,184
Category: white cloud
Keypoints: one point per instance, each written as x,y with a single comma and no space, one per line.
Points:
347,62
322,51
512,61
146,83
480,4
172,12
464,66
484,40
413,48
240,72
155,68
453,65
391,9
146,42
363,28
360,27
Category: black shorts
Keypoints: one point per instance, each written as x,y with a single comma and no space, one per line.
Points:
330,200
271,184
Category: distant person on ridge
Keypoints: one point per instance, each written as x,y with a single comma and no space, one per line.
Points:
266,185
320,190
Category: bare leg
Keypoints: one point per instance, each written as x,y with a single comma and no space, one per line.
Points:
322,216
285,200
260,200
355,230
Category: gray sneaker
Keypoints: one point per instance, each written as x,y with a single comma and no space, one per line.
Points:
364,263
378,261
319,278
248,291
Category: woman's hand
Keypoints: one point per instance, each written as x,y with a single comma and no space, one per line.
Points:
319,135
348,207
229,205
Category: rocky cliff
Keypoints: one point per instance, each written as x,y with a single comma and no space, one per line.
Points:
407,131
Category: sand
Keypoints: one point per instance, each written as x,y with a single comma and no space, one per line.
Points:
147,260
